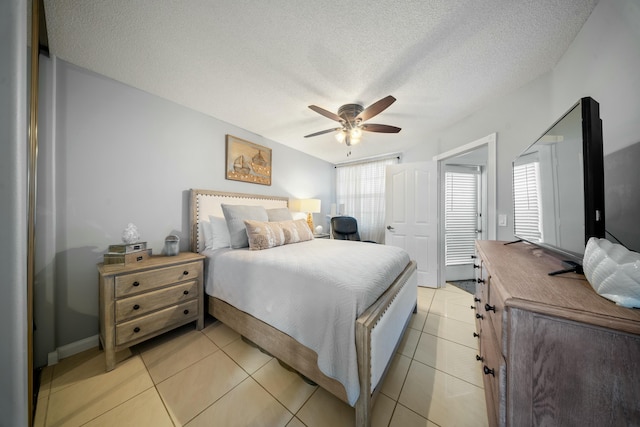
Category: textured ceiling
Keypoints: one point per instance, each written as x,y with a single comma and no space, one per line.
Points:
259,64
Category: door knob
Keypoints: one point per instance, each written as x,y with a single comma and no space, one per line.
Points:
390,228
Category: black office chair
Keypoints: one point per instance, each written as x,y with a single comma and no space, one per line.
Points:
346,228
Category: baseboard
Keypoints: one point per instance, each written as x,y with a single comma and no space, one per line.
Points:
72,348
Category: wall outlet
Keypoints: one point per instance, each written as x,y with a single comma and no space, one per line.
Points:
502,220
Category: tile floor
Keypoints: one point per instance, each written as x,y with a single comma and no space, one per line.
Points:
213,378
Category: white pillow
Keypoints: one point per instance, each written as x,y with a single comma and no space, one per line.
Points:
219,232
235,216
207,234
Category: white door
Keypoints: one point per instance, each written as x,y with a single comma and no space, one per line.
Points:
411,212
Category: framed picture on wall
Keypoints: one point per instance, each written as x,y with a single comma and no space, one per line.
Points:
248,162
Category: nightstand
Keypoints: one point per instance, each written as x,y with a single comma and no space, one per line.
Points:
143,300
321,236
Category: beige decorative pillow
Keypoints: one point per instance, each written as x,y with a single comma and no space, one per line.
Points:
264,235
296,231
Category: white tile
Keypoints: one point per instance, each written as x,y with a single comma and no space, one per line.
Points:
220,334
145,409
248,404
449,357
286,386
452,330
250,358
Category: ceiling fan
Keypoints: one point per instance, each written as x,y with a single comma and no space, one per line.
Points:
352,118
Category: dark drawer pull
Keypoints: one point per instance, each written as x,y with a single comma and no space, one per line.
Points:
476,335
490,307
478,280
479,316
488,371
136,307
479,358
476,299
473,257
136,329
476,266
473,307
186,292
136,283
185,273
186,312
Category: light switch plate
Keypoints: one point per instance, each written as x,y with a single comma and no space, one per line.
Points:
502,220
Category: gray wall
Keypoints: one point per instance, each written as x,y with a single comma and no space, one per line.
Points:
110,155
602,62
13,214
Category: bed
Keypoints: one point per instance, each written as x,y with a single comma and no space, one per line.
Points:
290,289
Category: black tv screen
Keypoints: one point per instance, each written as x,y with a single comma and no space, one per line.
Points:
558,184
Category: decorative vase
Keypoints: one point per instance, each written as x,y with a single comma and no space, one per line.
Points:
171,245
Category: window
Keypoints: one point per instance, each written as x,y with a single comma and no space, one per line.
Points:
461,213
526,197
360,188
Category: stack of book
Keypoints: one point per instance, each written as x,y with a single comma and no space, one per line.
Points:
126,253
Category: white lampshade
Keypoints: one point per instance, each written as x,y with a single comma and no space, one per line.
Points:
306,205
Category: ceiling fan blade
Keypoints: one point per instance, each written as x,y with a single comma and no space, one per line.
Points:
322,132
326,113
375,108
370,127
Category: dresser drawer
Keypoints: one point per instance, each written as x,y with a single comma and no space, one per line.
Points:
159,320
494,309
134,283
138,305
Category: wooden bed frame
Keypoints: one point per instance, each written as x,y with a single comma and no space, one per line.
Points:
287,349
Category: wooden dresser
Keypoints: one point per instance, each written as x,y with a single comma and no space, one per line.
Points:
553,352
145,299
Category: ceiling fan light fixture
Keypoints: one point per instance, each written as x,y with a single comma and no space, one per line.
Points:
356,133
340,136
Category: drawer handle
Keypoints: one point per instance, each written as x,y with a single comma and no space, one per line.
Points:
473,307
186,312
476,335
473,257
476,266
136,283
185,273
479,316
136,307
478,280
186,292
136,329
488,371
479,358
490,307
476,299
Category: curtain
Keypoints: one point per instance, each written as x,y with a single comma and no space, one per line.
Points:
360,188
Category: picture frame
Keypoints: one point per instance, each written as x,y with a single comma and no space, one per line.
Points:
247,161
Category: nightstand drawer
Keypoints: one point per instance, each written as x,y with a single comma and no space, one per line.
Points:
138,305
159,320
134,283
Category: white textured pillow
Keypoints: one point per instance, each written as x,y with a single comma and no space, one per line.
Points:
219,233
235,216
279,214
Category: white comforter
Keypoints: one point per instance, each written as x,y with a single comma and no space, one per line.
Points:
312,291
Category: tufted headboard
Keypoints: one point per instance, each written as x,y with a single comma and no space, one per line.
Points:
207,202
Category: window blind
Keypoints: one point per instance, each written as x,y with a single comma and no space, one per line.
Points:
461,214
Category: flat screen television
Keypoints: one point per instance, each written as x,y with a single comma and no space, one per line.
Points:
558,185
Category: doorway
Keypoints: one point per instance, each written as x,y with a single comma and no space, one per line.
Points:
479,156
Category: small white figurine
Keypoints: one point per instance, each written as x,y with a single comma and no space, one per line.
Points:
130,234
319,229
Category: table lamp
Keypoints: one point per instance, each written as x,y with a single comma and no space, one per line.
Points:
310,206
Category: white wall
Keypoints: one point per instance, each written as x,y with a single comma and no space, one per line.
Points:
602,62
13,214
111,155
